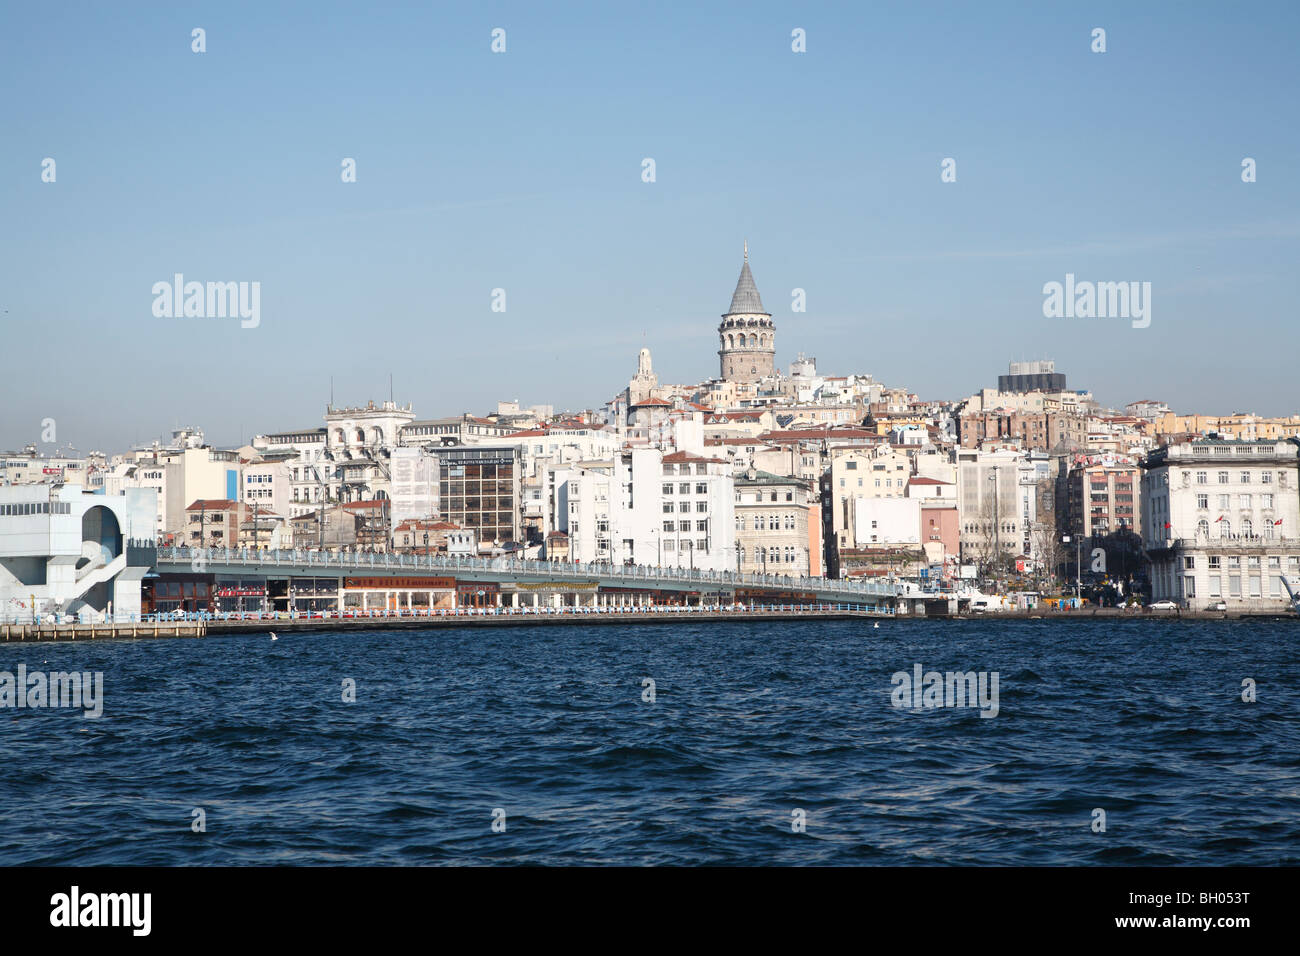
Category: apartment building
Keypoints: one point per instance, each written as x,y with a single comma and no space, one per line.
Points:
1221,522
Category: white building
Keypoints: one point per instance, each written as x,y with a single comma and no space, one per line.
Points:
67,551
1221,522
997,499
648,507
878,522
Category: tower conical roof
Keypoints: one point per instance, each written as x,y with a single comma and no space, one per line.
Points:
745,300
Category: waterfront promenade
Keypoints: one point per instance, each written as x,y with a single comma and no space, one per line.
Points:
247,622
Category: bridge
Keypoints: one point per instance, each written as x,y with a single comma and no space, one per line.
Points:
520,582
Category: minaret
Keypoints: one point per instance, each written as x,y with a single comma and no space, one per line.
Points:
747,335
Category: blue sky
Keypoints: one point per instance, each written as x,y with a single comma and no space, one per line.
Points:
522,171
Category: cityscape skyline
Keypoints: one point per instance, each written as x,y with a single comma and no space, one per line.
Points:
478,171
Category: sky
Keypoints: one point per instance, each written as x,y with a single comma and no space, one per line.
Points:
523,171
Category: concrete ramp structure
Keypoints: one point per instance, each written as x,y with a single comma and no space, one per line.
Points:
69,552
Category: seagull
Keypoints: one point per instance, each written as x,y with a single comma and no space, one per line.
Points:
273,637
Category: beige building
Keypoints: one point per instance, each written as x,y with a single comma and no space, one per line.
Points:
777,525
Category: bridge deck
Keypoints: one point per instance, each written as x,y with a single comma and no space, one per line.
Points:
517,570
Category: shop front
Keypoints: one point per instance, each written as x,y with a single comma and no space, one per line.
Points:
398,594
478,594
240,596
177,592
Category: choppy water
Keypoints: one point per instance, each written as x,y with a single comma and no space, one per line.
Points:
750,723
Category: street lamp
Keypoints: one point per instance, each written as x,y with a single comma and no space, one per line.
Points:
1078,561
997,543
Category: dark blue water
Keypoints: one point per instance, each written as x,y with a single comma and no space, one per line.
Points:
752,721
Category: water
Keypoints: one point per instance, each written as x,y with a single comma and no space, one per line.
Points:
752,721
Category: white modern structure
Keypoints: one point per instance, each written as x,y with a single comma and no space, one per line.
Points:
69,552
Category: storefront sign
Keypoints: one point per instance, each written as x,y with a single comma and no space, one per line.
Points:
559,586
400,583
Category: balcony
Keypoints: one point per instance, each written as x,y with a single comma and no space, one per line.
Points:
1233,542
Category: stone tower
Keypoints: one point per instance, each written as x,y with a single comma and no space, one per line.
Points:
645,382
747,335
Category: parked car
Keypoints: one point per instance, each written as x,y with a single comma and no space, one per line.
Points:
1164,606
1217,606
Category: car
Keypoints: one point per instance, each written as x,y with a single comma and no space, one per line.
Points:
1217,606
1164,606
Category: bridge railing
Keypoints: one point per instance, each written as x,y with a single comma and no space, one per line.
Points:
629,611
345,561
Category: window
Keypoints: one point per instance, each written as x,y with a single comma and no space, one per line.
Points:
851,465
1202,478
702,544
1225,501
1216,585
1234,585
1266,501
1274,586
1189,586
701,526
1244,500
1245,477
669,526
1223,477
1214,562
668,507
1255,585
1189,563
1202,501
1266,477
1203,528
668,489
701,488
684,488
701,506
